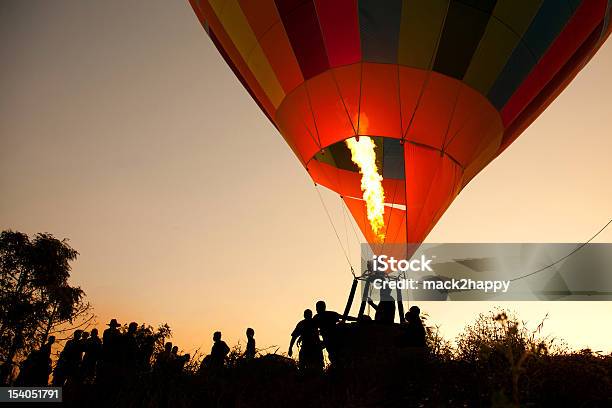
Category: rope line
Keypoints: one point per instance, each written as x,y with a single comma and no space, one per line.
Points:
334,228
349,218
578,248
346,235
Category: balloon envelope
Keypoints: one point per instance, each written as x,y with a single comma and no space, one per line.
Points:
442,86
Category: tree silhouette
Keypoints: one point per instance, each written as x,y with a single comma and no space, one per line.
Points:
36,299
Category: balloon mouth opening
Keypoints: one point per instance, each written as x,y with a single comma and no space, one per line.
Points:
389,156
374,159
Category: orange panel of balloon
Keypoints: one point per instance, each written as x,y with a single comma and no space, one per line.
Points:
397,104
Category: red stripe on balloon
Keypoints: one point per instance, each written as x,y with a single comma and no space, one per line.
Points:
587,17
340,27
552,89
302,27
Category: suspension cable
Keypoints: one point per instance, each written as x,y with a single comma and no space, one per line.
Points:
357,240
578,248
334,228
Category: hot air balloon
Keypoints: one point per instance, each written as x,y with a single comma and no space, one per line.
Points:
396,105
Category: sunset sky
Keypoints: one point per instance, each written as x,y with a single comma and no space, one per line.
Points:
123,130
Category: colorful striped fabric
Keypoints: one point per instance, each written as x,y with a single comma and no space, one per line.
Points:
443,86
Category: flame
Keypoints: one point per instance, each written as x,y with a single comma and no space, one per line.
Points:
363,155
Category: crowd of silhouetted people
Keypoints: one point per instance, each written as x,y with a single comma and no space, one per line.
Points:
119,356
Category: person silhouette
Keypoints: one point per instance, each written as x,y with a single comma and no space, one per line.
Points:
415,331
306,333
146,348
177,362
385,309
92,352
82,344
130,336
43,363
249,354
128,351
111,348
326,321
36,368
69,361
219,352
26,370
164,359
174,359
110,341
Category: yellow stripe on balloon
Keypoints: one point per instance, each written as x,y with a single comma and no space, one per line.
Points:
217,5
237,27
261,68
